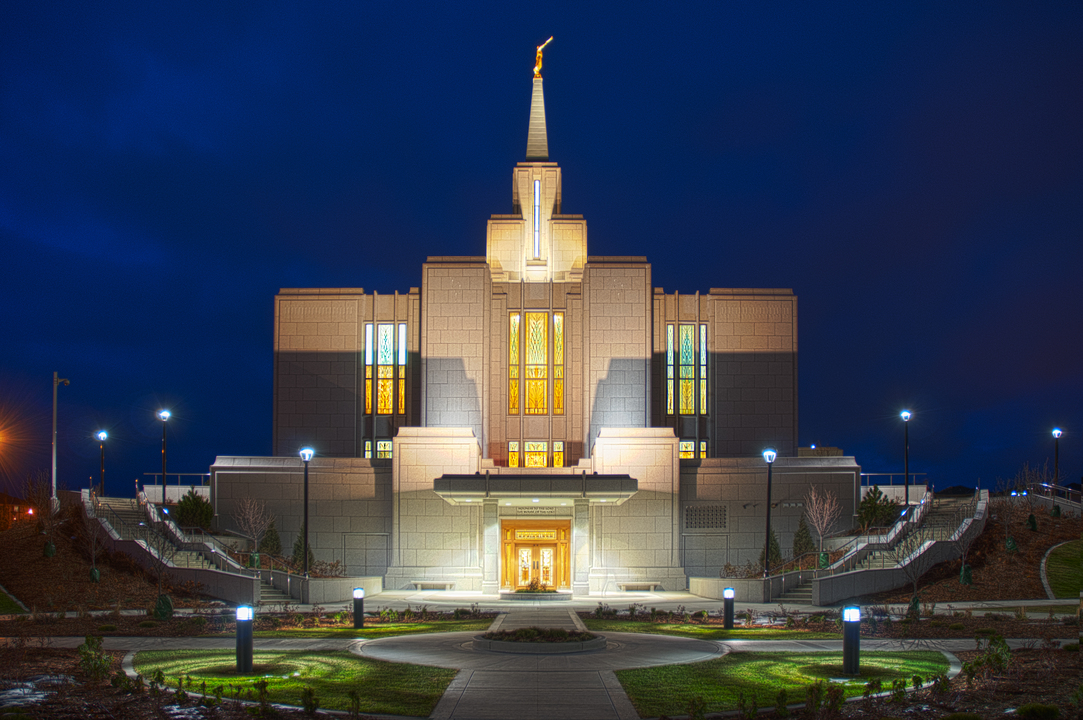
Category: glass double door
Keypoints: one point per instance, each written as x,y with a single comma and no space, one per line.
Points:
537,565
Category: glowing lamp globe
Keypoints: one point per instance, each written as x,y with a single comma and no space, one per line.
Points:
905,415
851,614
244,613
164,415
102,436
727,593
1057,432
358,593
769,455
307,453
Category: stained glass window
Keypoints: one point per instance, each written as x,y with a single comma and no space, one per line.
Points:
513,454
669,369
402,368
687,450
537,454
536,363
558,363
688,369
558,453
703,374
537,219
513,364
368,372
385,368
383,449
703,448
368,449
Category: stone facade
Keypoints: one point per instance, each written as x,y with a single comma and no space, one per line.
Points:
535,413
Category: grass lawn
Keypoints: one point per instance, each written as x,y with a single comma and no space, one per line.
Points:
384,687
1064,570
667,690
378,630
708,632
8,606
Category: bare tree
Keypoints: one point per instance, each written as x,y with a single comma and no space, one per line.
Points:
907,556
823,511
253,519
38,493
162,549
90,531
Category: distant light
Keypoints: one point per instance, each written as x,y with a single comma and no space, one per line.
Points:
1057,432
1024,493
1014,493
466,500
244,613
727,593
813,446
165,510
164,415
507,503
564,504
534,500
769,455
30,511
905,415
851,614
103,435
603,499
307,453
358,593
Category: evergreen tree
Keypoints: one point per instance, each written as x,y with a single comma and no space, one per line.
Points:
272,543
802,540
776,552
299,550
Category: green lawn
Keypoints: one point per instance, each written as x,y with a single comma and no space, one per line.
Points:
1064,570
709,632
666,690
393,689
378,630
8,606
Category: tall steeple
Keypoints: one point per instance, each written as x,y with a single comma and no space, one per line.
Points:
537,144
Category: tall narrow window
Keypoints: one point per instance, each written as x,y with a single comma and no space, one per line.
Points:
402,368
558,453
669,369
686,450
368,449
368,370
536,363
513,364
513,454
537,219
703,448
385,367
383,449
688,369
558,364
703,370
537,454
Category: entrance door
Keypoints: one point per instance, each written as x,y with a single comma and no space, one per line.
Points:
535,550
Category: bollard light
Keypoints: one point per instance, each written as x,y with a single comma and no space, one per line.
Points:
851,641
358,608
244,640
727,608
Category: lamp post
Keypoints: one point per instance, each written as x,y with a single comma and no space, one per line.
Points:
727,608
244,640
1057,432
358,608
306,456
851,640
769,456
164,416
905,415
56,382
102,436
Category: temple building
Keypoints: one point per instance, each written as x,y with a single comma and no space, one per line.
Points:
535,414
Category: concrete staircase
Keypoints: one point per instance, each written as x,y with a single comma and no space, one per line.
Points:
269,595
940,522
798,594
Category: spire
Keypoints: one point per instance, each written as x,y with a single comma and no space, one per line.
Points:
537,144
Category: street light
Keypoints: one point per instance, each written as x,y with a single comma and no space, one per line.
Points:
102,436
1057,432
163,415
769,456
905,415
56,382
306,456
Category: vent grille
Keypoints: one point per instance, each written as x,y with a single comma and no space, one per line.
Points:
705,517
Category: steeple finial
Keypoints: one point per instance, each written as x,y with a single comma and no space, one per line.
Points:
538,59
537,143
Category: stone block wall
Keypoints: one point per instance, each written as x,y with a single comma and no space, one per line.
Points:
736,489
349,504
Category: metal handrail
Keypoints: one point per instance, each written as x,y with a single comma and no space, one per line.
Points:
1057,492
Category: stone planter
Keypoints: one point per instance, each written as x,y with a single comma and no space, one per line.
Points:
544,597
539,648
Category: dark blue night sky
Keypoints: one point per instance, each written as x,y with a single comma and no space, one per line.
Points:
914,171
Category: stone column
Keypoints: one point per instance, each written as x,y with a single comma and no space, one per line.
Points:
490,547
580,550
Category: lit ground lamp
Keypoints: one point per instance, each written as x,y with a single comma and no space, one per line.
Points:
727,608
851,641
358,608
244,640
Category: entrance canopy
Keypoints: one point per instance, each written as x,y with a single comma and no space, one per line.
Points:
535,489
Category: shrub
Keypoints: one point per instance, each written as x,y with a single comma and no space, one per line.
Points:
271,543
876,510
299,550
310,702
775,558
1071,647
92,659
148,624
107,628
1038,711
802,539
194,511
